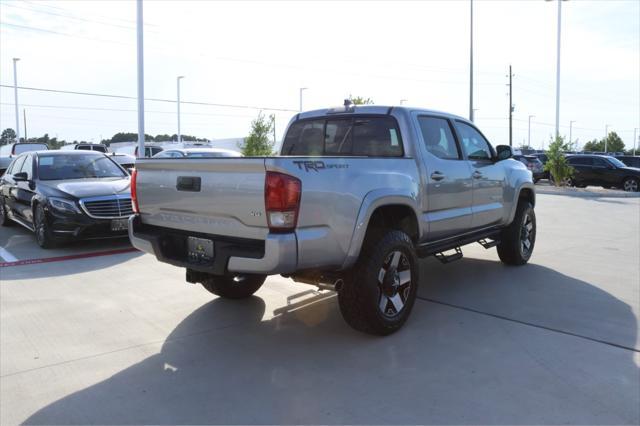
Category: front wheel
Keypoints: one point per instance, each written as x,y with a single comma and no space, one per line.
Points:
44,235
234,287
379,293
518,239
4,215
630,184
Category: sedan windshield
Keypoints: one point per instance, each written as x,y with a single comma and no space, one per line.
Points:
61,167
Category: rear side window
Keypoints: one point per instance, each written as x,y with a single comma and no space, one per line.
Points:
580,161
376,136
84,147
438,138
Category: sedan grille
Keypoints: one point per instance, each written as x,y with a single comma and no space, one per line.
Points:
107,207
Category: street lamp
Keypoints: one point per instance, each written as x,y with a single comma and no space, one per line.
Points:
529,140
180,77
140,66
571,130
302,89
15,94
558,68
471,61
634,140
606,136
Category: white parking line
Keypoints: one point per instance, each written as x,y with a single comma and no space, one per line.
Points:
7,256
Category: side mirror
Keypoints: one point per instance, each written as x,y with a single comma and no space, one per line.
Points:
504,152
20,177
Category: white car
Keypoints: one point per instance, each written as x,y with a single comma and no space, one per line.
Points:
197,153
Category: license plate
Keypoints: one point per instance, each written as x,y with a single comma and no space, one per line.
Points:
119,224
200,250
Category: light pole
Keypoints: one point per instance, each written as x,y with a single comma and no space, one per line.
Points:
302,89
402,101
471,62
558,68
15,94
529,140
180,77
634,141
606,136
140,63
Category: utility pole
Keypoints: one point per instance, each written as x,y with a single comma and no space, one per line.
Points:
15,94
510,107
178,83
571,130
634,141
529,140
558,68
302,89
24,116
606,136
140,60
471,66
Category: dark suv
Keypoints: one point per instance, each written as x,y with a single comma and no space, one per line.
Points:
533,164
605,171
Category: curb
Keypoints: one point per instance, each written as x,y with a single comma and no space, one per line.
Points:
586,193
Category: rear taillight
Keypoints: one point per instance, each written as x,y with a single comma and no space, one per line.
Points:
134,192
282,201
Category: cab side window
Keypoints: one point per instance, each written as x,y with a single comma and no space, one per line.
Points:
438,138
474,145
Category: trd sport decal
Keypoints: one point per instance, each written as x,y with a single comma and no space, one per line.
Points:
316,166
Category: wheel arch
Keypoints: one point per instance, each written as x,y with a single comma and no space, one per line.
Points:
384,208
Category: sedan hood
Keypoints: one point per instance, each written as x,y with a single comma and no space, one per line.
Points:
83,188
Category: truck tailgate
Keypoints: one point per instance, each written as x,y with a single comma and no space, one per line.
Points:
217,196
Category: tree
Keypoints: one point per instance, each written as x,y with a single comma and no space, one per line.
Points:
613,144
557,164
258,143
8,136
359,100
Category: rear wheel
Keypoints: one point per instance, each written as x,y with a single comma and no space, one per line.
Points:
517,240
234,287
4,217
379,293
44,236
630,184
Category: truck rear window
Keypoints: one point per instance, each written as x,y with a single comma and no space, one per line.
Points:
369,136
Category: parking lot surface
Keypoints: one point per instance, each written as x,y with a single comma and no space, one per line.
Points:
122,339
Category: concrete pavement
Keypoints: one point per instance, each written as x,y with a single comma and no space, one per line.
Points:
122,339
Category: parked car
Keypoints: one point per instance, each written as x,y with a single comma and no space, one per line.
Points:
132,149
197,153
357,194
85,147
603,170
534,165
64,195
8,152
630,160
128,162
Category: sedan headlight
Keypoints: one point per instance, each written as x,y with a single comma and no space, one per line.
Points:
64,206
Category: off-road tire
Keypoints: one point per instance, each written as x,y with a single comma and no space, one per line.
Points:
4,216
234,287
360,297
512,249
42,229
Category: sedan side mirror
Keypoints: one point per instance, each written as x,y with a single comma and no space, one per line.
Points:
504,152
21,177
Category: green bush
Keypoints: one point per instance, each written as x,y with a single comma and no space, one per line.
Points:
557,165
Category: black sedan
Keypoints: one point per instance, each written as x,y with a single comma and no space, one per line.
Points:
64,195
605,171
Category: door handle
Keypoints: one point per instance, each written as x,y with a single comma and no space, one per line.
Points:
477,174
437,175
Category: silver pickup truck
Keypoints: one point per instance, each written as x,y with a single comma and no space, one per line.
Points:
355,198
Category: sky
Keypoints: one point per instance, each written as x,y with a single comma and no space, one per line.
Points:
253,56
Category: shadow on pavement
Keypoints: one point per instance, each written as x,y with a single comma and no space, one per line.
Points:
445,366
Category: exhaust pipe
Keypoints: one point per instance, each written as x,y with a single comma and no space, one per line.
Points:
320,281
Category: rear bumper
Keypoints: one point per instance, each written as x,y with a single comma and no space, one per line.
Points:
277,254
